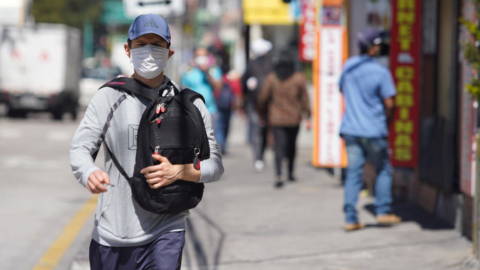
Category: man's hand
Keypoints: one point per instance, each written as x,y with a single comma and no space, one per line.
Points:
389,104
96,180
163,174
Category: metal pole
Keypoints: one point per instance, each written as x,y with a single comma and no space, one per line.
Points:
476,197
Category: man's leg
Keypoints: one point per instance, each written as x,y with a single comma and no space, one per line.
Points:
165,253
226,128
280,146
103,257
378,151
262,141
353,179
250,125
257,143
220,131
292,150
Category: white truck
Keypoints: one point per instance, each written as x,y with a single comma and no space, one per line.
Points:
40,69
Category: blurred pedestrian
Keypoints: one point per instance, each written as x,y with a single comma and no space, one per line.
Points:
369,92
284,97
125,235
226,103
252,81
204,77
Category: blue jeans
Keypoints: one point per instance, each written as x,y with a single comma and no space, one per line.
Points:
223,126
358,149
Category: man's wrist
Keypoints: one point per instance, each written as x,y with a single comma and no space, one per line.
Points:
181,171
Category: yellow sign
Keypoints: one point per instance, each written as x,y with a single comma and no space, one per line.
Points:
266,12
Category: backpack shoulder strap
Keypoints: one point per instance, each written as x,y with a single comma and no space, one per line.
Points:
191,95
131,86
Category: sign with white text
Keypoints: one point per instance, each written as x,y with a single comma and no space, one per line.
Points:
307,31
166,8
331,51
329,147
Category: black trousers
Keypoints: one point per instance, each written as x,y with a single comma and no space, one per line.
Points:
285,147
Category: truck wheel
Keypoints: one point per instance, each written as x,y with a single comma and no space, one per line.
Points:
57,115
74,115
74,112
14,113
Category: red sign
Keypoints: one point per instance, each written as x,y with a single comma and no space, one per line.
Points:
405,55
307,31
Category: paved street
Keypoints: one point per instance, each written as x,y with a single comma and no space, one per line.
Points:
38,194
242,223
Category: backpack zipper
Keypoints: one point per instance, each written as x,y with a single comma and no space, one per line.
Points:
196,160
160,108
158,120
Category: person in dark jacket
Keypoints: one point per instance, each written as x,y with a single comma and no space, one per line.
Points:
252,81
285,97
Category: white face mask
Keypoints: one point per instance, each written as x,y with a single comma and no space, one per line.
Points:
149,61
201,60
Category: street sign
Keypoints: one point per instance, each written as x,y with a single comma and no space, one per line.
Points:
167,8
114,14
328,147
405,57
307,31
270,12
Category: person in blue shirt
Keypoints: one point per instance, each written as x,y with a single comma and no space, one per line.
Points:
369,92
204,77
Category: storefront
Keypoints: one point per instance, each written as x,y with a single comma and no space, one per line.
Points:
435,121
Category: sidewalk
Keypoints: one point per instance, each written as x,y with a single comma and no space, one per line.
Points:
244,223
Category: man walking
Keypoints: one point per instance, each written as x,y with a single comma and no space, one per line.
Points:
252,81
369,93
126,236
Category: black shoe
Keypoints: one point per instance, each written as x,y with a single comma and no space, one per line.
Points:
278,184
292,179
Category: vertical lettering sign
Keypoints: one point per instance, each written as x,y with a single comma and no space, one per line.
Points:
330,99
307,31
405,55
329,148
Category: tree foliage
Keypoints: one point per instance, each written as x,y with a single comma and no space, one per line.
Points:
69,12
471,51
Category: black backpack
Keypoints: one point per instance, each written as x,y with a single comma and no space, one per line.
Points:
173,127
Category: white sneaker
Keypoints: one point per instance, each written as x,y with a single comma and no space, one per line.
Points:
259,165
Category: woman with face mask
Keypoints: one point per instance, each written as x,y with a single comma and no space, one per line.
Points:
125,235
205,77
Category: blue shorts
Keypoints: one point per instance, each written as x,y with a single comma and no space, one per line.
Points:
165,253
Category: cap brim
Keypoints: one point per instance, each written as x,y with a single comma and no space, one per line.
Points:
148,32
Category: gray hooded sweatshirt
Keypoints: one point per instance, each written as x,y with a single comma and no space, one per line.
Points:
119,220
